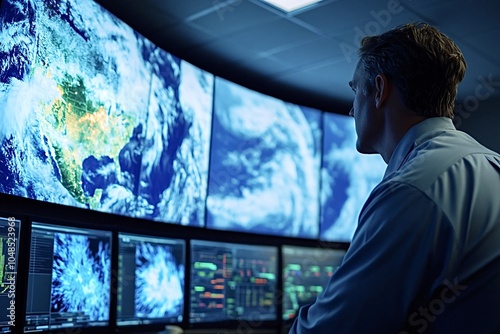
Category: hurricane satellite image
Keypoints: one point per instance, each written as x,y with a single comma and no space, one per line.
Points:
265,163
347,178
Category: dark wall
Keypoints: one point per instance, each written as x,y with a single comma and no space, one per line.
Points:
481,119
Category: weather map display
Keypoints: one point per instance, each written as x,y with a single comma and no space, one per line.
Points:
264,165
232,282
94,115
69,278
175,153
347,178
9,247
151,273
306,271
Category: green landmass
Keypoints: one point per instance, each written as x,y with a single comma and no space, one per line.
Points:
82,127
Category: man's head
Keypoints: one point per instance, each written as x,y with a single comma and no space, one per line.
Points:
422,63
403,76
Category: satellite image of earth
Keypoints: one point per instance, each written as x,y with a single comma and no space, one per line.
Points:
347,178
94,115
265,163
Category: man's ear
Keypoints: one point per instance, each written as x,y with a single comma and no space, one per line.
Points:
382,90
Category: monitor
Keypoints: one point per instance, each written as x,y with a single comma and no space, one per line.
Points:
264,164
73,115
9,248
69,278
347,178
232,282
151,275
176,146
101,118
306,272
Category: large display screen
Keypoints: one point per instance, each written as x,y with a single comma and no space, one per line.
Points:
347,178
9,248
151,273
264,166
175,152
306,272
94,115
69,278
232,282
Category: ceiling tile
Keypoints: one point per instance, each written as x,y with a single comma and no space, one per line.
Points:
310,52
334,16
268,66
226,50
184,9
328,78
235,17
272,35
180,37
459,18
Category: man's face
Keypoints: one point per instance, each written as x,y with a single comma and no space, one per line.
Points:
364,112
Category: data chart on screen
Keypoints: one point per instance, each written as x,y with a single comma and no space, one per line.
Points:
232,282
306,272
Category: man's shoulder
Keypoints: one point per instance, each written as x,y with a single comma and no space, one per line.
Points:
444,153
448,145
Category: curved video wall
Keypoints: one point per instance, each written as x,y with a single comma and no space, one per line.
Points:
94,115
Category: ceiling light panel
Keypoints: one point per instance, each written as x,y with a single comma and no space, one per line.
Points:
291,5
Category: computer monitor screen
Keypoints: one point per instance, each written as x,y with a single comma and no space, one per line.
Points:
69,278
232,282
306,271
264,164
347,178
151,273
9,247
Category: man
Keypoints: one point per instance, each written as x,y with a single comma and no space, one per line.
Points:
425,257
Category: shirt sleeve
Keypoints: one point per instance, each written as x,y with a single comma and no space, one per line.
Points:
399,255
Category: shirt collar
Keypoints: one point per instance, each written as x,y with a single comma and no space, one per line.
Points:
415,136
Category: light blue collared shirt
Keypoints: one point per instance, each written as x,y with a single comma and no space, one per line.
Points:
425,257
